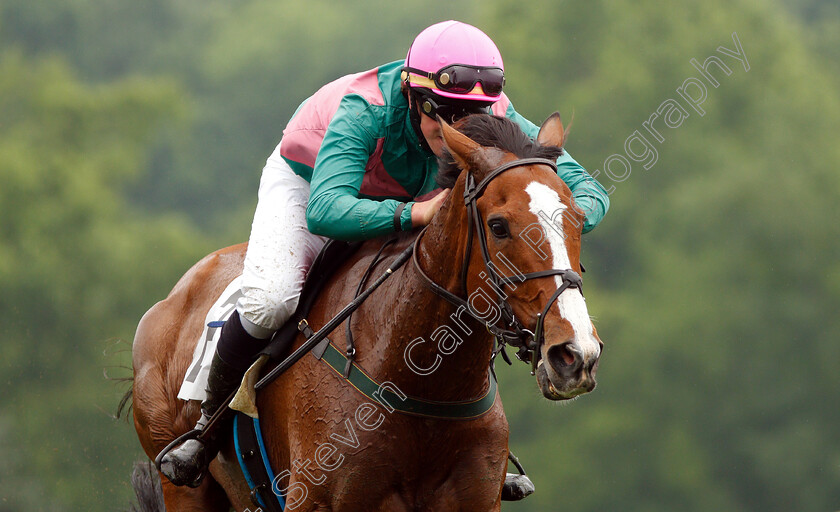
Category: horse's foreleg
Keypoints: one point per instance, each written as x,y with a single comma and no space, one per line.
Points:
208,497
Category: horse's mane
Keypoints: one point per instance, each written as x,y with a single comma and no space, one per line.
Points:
493,131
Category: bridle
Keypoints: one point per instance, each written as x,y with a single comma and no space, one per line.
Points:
513,332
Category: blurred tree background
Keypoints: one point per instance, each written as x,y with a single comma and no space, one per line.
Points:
132,135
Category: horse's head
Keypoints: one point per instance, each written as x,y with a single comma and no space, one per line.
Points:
525,231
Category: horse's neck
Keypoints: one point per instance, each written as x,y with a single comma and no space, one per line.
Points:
434,349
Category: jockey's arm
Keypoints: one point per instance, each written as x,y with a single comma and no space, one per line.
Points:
589,195
335,209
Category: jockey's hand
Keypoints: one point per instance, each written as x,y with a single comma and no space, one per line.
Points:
422,212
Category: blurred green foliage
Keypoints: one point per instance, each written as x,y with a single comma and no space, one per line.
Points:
76,264
131,140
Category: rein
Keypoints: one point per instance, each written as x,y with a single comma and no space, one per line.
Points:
384,393
527,342
334,322
515,334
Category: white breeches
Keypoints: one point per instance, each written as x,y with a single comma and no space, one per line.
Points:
280,251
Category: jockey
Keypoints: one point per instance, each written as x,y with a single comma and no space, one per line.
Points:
350,163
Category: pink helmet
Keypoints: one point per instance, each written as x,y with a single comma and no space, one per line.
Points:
455,60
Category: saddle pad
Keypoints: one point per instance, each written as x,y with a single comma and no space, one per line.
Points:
195,380
245,400
328,260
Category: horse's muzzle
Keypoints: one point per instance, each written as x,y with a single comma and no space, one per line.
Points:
564,372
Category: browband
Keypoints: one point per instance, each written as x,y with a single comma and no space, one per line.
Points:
472,193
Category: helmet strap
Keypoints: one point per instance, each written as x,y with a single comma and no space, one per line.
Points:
414,116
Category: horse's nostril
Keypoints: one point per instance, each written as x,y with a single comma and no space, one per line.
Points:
564,356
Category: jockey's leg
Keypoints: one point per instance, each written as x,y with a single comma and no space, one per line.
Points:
187,464
280,251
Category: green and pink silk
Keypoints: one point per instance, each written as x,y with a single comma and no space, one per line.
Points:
354,143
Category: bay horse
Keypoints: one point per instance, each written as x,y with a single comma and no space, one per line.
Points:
411,333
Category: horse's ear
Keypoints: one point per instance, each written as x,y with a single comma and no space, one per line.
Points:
461,147
552,132
468,154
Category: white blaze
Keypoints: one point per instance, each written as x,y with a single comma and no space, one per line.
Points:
570,303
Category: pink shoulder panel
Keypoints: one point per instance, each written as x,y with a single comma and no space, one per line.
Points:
303,135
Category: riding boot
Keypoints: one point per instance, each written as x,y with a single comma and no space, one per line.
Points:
187,464
517,487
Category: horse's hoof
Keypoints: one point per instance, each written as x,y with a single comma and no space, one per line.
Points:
517,487
186,464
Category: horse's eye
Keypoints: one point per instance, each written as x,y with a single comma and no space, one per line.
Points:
499,228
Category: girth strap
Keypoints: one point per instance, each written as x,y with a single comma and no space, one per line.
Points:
252,457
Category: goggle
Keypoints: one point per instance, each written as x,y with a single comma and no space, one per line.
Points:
461,78
449,112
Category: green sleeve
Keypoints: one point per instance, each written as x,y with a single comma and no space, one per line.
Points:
589,195
335,209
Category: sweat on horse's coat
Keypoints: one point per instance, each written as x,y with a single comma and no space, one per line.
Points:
439,460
